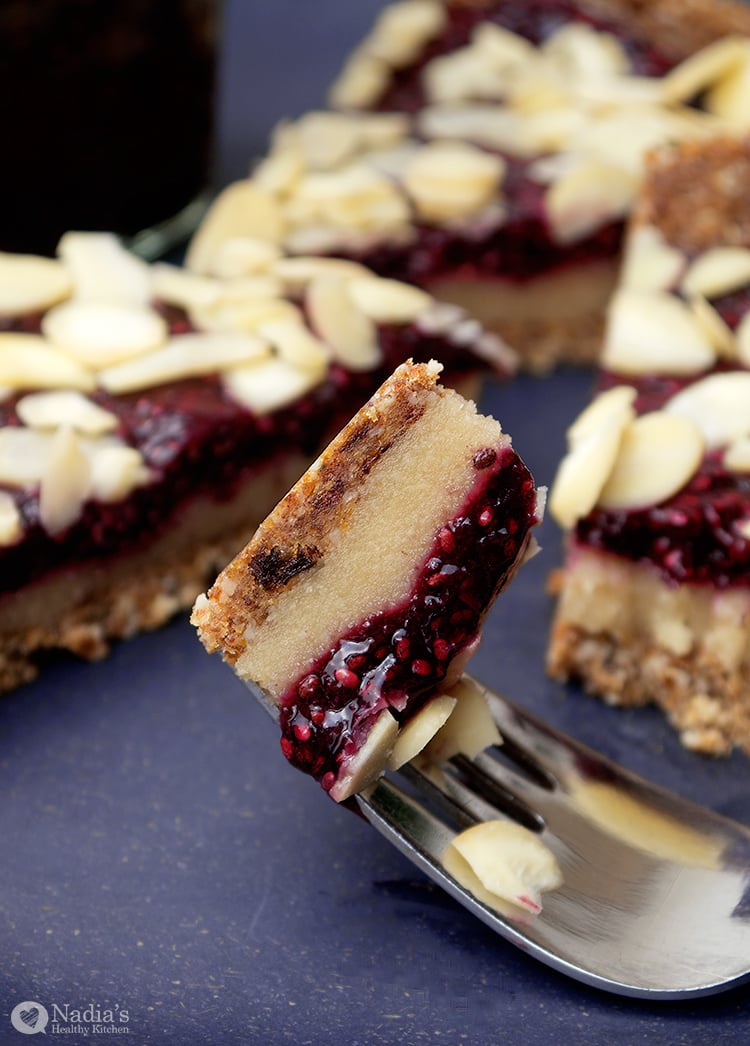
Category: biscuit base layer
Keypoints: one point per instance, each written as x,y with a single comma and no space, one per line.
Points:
632,639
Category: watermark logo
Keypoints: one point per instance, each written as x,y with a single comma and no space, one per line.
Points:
30,1018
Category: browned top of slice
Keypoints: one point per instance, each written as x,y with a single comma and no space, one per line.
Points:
698,194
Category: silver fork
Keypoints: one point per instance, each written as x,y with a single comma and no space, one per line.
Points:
655,899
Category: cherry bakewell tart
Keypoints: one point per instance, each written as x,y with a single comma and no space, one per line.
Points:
362,596
654,599
491,151
150,418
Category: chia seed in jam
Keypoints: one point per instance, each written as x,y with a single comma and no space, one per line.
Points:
396,658
198,442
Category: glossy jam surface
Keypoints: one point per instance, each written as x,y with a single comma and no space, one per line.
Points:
396,658
199,442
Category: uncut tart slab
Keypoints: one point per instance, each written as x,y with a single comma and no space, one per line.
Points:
150,419
491,152
363,593
654,595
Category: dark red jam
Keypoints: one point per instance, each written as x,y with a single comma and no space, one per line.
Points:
397,658
200,443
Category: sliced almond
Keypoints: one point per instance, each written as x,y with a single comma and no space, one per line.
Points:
704,69
65,482
586,198
280,171
615,406
719,270
244,256
295,273
449,180
510,862
718,404
269,384
403,28
470,728
297,346
226,315
368,764
654,332
718,332
361,82
242,209
421,729
99,334
582,52
184,356
328,140
23,455
178,286
388,301
353,198
341,324
464,75
115,472
11,521
659,453
727,98
28,361
742,340
31,284
103,271
502,48
650,263
51,410
737,455
493,127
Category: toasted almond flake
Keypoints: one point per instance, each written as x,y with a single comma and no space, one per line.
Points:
50,410
587,197
227,315
719,270
654,332
31,284
718,404
244,256
727,98
295,273
421,729
388,301
614,405
704,69
341,324
100,334
658,454
184,356
11,521
115,472
650,263
103,270
28,361
297,346
242,209
585,469
177,286
65,482
452,180
737,456
742,340
361,82
470,728
719,334
403,28
269,385
509,861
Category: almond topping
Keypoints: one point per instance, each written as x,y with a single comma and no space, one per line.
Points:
737,455
339,322
704,69
367,765
388,301
115,472
50,410
614,405
269,385
295,273
719,334
102,334
654,332
718,404
402,29
244,256
11,522
23,455
184,356
421,729
361,82
727,98
452,180
27,361
182,288
103,271
742,340
31,284
242,209
65,482
658,454
650,263
470,728
718,271
297,346
227,315
586,198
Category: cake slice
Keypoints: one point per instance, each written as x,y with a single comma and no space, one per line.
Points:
150,419
491,152
654,494
362,596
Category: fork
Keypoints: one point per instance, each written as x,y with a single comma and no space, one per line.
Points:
655,898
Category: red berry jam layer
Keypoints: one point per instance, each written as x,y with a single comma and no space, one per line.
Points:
396,658
536,20
198,442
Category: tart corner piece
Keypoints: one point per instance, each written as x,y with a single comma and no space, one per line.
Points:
362,596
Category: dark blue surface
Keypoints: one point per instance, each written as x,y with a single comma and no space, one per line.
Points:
158,852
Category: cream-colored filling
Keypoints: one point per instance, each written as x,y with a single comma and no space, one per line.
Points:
417,484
